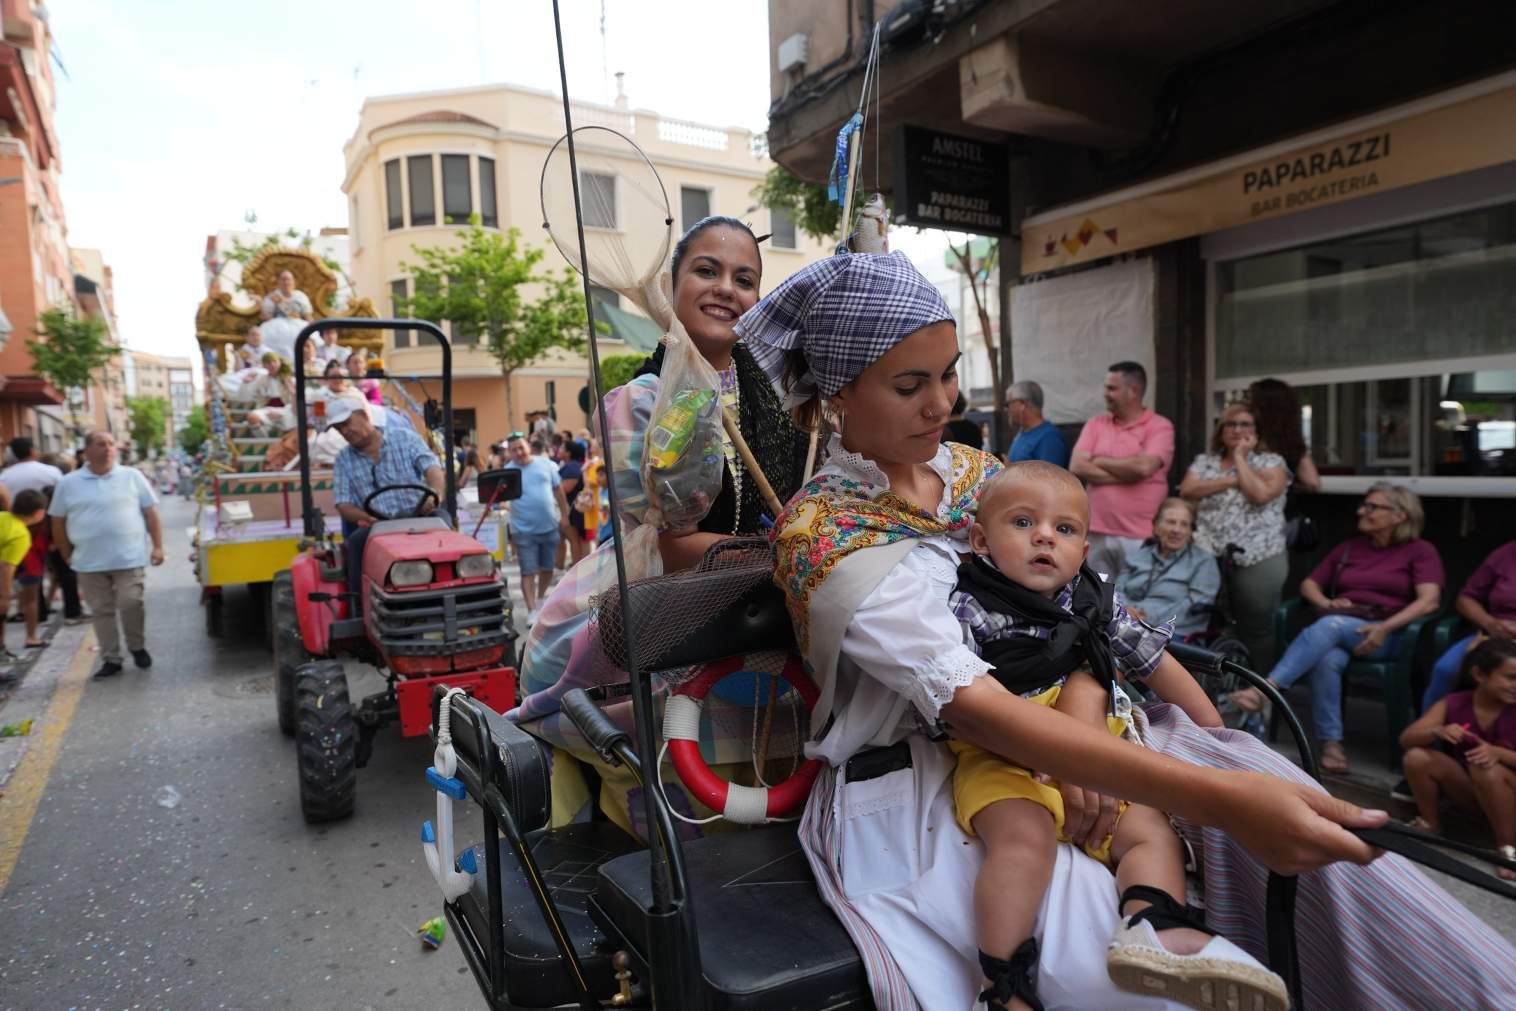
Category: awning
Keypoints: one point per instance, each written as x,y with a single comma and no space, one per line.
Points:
1438,136
30,390
638,331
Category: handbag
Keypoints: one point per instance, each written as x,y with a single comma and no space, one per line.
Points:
1369,612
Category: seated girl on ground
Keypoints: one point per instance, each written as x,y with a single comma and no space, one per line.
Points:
1464,747
1056,634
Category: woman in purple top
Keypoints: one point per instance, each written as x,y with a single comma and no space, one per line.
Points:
1364,591
1464,747
1488,602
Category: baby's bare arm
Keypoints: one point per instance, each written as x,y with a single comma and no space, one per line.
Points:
1083,698
1174,684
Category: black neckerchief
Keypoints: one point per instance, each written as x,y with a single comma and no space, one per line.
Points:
1024,663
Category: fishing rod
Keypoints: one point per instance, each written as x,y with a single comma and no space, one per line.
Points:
673,958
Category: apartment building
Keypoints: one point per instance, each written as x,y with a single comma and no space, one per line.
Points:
419,165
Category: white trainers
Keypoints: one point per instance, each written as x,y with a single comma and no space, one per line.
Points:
1220,975
531,616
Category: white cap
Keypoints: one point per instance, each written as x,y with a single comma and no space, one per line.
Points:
339,409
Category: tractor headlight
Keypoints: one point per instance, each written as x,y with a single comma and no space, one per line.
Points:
474,566
412,573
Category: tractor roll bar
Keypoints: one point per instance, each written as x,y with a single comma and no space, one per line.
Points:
315,523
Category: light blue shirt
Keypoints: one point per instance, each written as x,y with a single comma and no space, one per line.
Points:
404,458
103,516
533,513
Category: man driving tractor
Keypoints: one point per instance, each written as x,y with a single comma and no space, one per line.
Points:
393,458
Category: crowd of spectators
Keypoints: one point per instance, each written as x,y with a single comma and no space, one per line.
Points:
1217,554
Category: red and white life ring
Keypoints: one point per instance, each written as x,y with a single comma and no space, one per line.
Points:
747,805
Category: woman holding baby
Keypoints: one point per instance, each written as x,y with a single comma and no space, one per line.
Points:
869,553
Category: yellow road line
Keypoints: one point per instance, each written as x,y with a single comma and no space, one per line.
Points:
24,791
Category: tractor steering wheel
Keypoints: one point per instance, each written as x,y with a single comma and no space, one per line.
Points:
426,493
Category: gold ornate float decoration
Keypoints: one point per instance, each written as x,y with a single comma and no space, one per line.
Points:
220,323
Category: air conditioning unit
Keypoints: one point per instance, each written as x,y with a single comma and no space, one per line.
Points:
1024,85
794,52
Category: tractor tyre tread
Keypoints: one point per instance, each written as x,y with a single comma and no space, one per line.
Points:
326,736
290,653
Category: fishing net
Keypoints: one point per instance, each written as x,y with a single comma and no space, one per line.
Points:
727,603
627,236
628,228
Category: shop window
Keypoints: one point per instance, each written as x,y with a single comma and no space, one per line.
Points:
597,192
423,193
489,217
783,227
694,204
1422,292
394,205
457,198
1400,342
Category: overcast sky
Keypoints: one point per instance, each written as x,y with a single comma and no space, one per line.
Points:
177,118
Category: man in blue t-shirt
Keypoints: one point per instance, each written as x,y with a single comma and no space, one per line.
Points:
1036,437
538,519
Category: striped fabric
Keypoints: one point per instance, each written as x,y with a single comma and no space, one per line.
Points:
1382,936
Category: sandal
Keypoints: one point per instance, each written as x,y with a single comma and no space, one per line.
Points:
1249,700
1011,978
1218,975
1333,758
1509,852
36,643
1421,824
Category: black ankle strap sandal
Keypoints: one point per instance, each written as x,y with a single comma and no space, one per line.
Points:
1011,978
1163,912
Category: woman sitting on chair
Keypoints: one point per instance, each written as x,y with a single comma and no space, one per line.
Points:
1364,592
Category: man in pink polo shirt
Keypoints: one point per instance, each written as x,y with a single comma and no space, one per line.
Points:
1124,458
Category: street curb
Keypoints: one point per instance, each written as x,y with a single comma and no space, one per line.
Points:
23,792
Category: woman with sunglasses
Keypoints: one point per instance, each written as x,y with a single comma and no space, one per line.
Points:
1364,592
1238,490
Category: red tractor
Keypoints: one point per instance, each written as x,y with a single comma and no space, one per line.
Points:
431,611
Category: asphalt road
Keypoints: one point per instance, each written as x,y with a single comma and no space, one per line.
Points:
226,899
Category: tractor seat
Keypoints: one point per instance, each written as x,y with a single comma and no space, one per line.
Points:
766,938
408,524
568,857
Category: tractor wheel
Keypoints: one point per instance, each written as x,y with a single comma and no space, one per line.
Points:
215,624
325,736
290,653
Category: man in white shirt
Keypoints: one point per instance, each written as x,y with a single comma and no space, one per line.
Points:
28,471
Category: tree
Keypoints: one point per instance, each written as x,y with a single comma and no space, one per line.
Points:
69,351
979,264
476,285
149,418
195,431
617,370
813,211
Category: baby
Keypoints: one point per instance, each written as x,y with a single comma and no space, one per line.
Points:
1058,636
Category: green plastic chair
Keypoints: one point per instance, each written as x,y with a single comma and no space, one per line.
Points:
1393,672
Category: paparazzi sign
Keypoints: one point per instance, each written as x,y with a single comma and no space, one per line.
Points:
943,180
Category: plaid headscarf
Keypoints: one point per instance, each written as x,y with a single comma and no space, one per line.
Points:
843,313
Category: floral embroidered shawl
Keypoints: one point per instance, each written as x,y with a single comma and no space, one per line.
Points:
828,521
